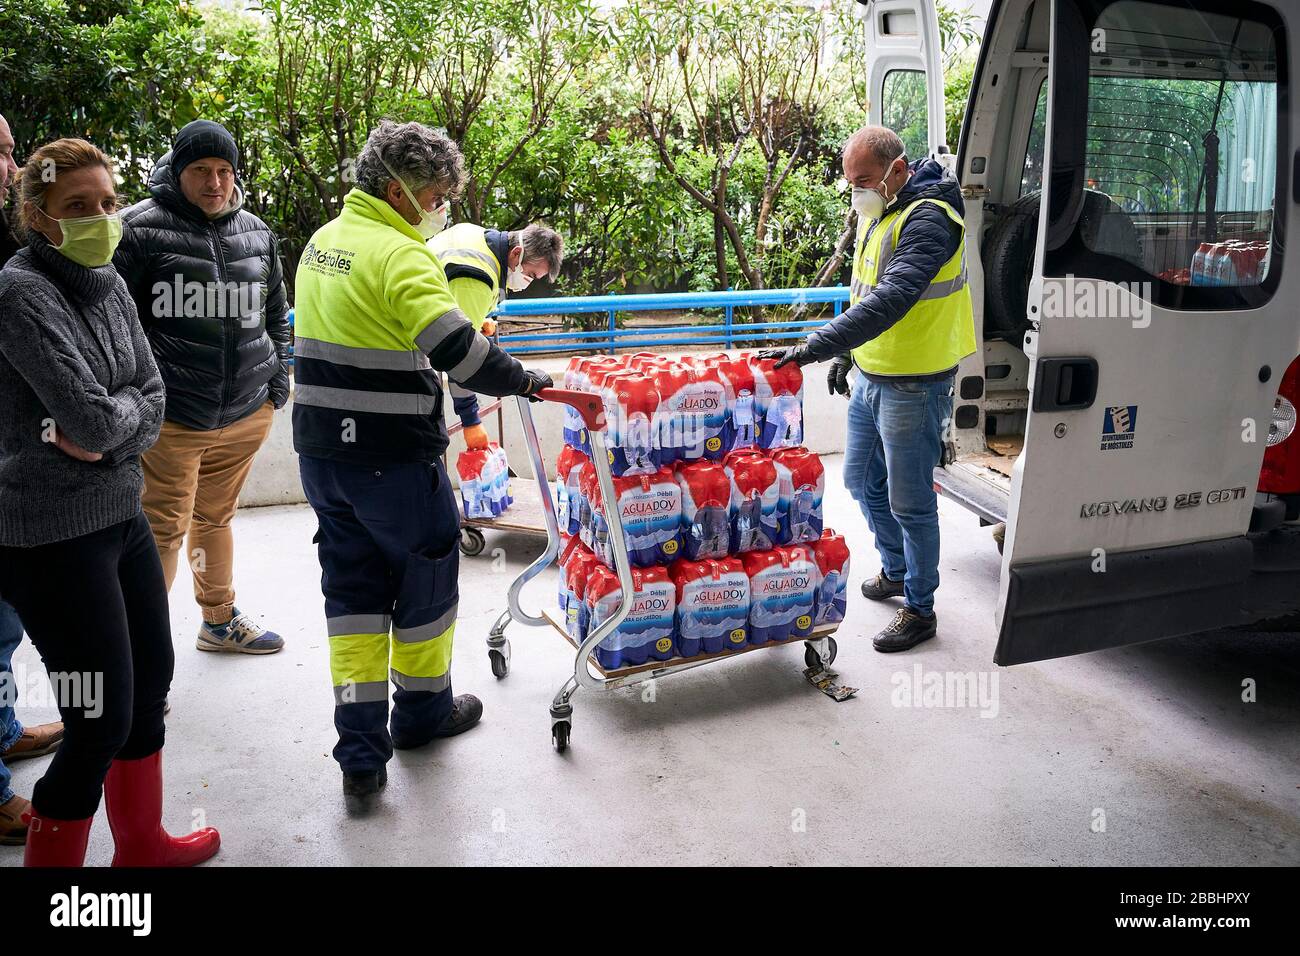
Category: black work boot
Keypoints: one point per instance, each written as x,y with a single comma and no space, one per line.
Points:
466,710
905,631
360,789
881,587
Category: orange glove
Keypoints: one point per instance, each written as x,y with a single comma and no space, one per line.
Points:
475,437
489,328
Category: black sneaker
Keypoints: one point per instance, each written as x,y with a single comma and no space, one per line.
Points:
360,789
881,587
466,711
905,631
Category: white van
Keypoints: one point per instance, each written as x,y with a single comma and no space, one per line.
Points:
1130,411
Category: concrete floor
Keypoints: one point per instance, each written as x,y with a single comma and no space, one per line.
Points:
740,762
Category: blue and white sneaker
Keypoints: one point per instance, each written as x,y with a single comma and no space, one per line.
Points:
240,635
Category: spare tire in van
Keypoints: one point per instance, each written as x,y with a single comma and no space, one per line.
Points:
1009,256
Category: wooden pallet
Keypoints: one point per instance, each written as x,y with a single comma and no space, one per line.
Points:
524,515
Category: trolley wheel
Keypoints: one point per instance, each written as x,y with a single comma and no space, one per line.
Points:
500,666
560,735
812,659
472,542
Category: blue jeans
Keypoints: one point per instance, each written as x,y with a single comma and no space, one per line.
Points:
895,440
11,632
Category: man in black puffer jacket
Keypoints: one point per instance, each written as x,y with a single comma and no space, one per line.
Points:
206,277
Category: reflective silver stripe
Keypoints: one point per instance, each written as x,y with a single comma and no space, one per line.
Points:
425,632
430,684
886,249
473,360
483,257
441,327
363,692
355,357
354,400
460,391
859,288
358,624
937,290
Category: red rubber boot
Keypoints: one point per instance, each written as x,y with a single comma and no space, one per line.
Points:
133,798
53,842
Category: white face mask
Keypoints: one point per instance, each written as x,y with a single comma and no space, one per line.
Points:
431,223
867,203
871,203
517,280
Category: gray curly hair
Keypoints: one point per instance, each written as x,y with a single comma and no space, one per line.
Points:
419,154
540,242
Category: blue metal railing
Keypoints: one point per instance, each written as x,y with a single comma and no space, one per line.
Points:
610,338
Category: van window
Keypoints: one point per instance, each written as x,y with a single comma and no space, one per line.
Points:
1031,180
904,108
1180,166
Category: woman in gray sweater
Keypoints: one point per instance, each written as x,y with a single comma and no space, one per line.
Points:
80,399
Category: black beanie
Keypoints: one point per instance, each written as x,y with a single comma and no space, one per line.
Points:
202,139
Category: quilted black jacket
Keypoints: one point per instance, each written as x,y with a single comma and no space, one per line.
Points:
211,298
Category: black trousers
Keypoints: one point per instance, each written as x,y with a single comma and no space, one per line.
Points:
95,607
387,544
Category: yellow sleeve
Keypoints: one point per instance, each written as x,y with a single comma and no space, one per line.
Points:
415,289
475,299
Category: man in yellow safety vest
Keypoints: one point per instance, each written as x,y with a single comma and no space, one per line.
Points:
481,264
908,324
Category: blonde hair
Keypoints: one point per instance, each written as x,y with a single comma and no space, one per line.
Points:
46,164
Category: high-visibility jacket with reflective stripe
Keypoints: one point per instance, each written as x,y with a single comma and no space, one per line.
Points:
939,330
473,259
374,319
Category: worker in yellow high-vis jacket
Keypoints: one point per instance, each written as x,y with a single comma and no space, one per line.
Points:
908,325
481,264
375,324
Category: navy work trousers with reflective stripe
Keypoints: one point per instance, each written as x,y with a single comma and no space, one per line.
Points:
387,543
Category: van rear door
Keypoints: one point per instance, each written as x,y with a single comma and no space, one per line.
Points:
904,72
1164,315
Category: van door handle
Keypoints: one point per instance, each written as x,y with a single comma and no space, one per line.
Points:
1065,384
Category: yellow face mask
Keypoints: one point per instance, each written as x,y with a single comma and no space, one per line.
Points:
89,241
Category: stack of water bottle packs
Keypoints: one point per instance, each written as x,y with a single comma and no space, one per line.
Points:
484,481
719,502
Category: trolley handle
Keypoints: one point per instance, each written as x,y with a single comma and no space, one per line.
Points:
591,408
587,404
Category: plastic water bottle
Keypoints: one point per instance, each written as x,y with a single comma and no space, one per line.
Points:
832,554
649,630
782,588
801,481
712,605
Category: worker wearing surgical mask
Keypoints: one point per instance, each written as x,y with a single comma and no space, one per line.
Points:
896,349
481,265
376,326
871,202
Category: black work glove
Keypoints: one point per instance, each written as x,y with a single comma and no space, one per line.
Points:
534,382
785,356
837,379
